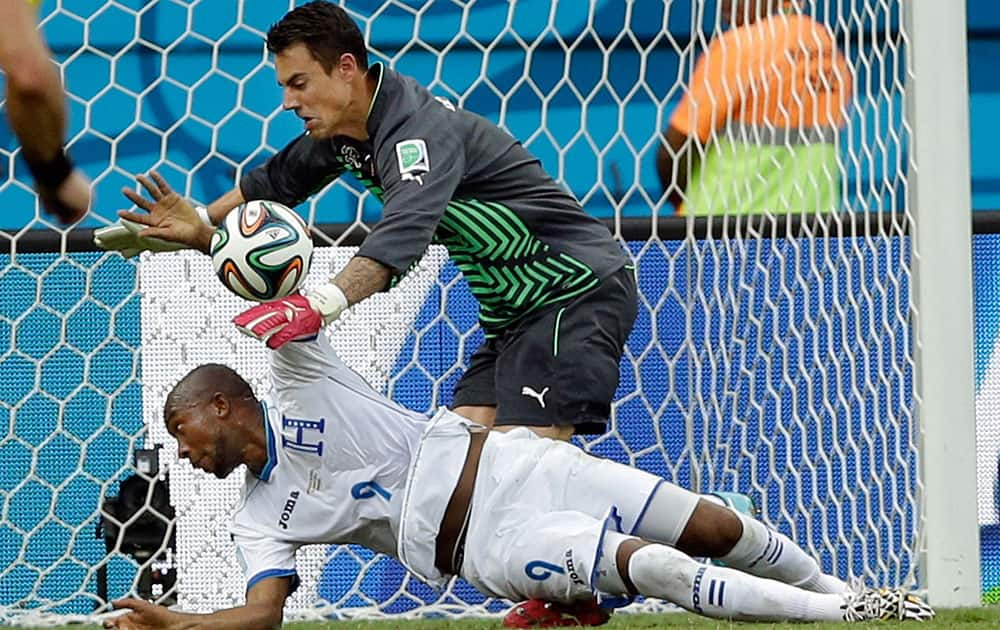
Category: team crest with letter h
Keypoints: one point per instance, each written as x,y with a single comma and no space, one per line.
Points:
305,435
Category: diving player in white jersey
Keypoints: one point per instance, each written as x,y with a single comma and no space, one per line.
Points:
329,460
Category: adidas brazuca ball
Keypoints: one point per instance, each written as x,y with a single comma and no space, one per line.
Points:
262,251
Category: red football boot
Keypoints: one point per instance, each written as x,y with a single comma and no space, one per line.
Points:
536,613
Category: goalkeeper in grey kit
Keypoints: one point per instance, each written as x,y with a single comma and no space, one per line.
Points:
557,296
557,299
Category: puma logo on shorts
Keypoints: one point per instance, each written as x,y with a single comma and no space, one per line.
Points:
540,397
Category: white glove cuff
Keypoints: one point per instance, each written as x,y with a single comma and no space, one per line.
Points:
203,214
329,300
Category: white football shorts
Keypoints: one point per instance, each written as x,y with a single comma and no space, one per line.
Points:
540,511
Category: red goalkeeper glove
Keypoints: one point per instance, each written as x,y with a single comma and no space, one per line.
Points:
292,318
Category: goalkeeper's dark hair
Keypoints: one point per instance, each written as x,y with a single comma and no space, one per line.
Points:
203,382
325,29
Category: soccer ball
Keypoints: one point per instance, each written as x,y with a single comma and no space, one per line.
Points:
261,251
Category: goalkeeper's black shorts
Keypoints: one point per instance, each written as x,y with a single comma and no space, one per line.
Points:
559,366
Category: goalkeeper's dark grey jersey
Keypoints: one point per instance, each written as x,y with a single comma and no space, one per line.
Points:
452,177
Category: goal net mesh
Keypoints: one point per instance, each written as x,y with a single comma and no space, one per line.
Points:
772,355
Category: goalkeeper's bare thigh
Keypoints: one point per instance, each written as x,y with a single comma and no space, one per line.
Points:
559,366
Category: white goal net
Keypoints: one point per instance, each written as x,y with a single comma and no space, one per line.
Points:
774,352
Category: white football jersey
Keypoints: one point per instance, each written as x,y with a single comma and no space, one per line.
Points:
338,454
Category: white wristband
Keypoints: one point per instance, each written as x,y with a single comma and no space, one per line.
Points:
329,300
203,214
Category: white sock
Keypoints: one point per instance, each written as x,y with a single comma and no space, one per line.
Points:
770,554
723,593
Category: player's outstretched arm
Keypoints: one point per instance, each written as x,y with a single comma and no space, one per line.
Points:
303,316
168,216
37,112
129,235
34,92
168,223
218,209
263,611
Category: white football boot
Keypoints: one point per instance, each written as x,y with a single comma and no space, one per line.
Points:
869,604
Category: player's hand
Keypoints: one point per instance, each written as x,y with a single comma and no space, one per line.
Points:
168,217
70,201
143,616
279,321
123,237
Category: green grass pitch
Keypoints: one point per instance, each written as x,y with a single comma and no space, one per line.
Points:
961,619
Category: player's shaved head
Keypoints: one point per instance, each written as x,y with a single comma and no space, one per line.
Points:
325,29
202,383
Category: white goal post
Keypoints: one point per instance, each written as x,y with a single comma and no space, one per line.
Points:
819,361
942,204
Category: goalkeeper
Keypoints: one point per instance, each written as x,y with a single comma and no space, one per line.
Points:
329,460
557,297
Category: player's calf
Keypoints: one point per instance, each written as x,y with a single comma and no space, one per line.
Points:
735,501
733,538
767,553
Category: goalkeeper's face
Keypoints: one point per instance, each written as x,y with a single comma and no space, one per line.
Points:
329,103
